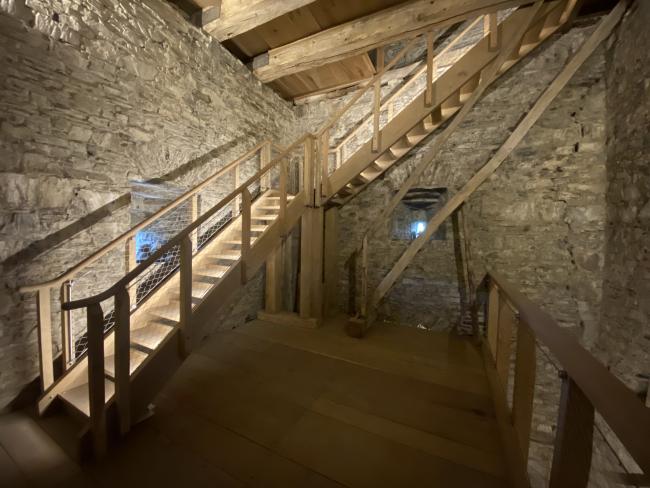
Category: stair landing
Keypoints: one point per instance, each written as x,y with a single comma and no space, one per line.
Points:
276,405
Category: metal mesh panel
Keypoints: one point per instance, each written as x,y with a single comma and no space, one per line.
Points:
110,268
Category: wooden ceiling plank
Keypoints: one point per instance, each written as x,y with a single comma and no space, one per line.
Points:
238,16
369,32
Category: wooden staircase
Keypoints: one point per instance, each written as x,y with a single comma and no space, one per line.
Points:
109,387
450,91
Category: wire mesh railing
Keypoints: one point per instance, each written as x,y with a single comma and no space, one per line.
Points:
110,263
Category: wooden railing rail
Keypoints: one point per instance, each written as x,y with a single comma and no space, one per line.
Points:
421,69
176,240
132,231
119,292
369,84
588,386
127,239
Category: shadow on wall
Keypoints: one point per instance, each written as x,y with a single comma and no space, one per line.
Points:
18,311
84,223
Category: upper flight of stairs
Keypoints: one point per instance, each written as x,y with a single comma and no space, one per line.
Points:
417,121
156,337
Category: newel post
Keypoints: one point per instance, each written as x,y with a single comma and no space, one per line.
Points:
376,109
493,318
185,304
123,358
245,232
45,337
96,377
67,347
574,438
283,196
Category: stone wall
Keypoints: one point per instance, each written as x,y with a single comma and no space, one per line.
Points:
625,338
95,94
539,220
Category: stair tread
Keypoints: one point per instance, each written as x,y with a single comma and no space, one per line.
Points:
78,397
268,218
137,358
234,256
151,335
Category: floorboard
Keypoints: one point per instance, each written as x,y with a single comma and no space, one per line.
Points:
268,405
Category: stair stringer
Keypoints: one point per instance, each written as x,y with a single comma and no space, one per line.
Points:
150,376
468,67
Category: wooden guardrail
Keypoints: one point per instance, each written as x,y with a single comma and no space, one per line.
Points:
127,242
119,292
587,387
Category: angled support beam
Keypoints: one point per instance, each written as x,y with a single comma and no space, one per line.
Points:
488,75
239,16
361,35
206,15
603,30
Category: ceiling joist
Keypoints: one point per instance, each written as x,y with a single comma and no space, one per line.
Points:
369,32
239,16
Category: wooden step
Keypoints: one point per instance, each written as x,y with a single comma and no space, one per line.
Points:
450,105
264,217
205,279
136,359
258,228
151,335
227,255
268,207
78,397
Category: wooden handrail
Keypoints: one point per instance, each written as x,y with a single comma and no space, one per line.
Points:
419,71
132,231
176,240
627,416
370,83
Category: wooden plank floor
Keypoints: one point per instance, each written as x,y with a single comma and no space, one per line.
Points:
271,405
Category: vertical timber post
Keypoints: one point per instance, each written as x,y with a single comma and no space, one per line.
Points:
330,261
311,239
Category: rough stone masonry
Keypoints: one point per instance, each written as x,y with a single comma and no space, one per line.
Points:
93,95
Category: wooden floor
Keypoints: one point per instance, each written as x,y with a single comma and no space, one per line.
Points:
271,405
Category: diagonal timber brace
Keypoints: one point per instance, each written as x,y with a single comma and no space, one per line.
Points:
602,31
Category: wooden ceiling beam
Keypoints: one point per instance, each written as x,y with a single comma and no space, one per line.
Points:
239,16
369,32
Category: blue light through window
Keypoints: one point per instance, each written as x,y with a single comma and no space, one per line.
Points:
146,244
417,228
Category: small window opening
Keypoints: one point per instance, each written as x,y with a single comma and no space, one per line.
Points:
415,210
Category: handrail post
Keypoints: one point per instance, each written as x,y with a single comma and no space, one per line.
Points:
130,262
376,136
507,323
283,196
194,214
185,302
308,172
236,203
45,337
324,162
493,319
364,277
524,388
428,95
491,29
265,159
573,439
123,358
246,230
67,347
96,377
